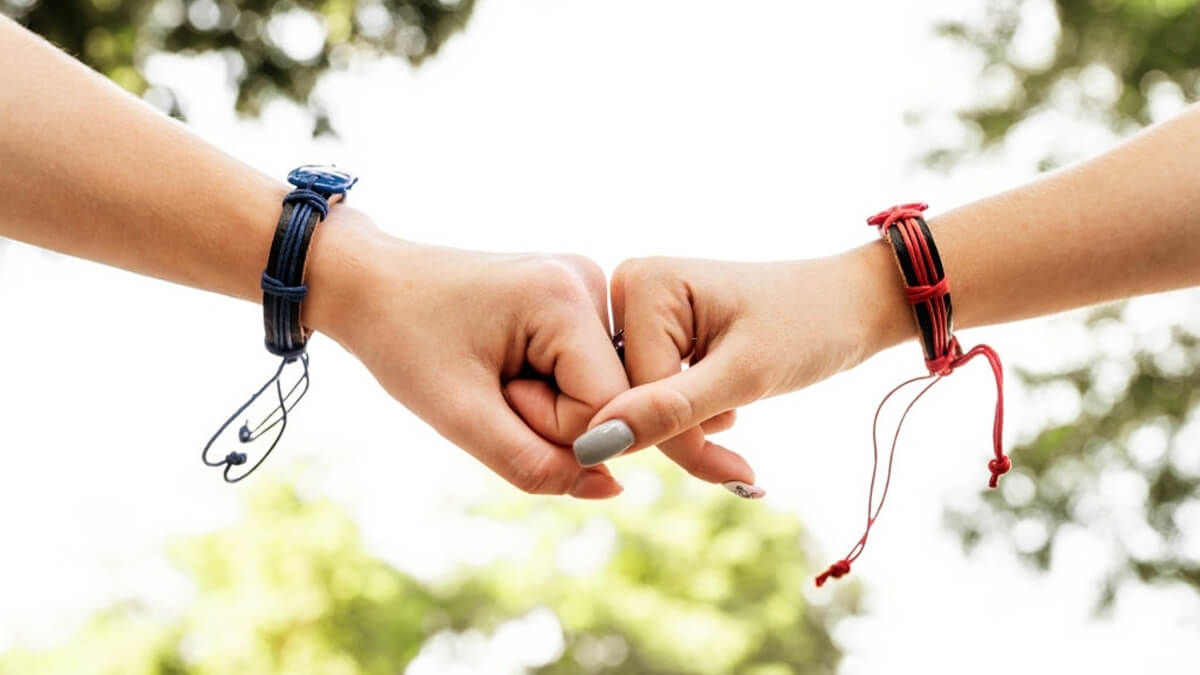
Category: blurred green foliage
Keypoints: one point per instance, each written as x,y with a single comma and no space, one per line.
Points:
1135,432
694,584
116,37
1138,436
1140,43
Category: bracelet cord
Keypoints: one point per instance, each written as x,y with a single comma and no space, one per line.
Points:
927,290
283,289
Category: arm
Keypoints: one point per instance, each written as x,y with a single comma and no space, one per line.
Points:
95,173
1119,225
100,175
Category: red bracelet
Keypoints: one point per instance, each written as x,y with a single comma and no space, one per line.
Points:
928,291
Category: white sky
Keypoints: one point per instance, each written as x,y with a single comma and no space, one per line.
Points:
615,129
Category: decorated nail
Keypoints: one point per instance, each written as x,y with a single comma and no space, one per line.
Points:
603,442
744,490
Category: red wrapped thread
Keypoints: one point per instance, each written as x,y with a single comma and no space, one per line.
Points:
928,291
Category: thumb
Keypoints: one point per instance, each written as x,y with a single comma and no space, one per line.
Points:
478,419
672,409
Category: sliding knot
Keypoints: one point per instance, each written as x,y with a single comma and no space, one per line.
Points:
884,219
998,466
943,365
837,570
272,286
315,200
235,458
951,358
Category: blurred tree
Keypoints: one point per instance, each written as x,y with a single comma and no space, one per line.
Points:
1137,440
273,47
1108,61
686,585
1139,426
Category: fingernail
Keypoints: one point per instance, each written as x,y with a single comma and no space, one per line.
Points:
603,442
744,490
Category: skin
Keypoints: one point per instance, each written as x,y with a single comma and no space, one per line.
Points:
1120,225
507,356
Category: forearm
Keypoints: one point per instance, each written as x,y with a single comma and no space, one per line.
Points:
93,172
1120,225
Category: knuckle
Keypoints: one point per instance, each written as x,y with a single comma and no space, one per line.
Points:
671,411
637,272
529,482
655,286
626,270
552,278
536,477
448,414
587,269
753,375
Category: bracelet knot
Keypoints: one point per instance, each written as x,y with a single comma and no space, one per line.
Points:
272,286
837,570
884,219
315,200
998,466
925,293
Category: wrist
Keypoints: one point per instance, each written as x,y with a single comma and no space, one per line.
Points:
341,266
877,292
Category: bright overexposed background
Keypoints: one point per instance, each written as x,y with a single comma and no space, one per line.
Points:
763,131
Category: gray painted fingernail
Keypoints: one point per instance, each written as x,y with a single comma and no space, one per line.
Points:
603,442
744,490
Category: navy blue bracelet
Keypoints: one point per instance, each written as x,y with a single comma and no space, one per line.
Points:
284,290
283,280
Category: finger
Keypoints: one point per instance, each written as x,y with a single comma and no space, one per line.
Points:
719,423
481,422
706,460
668,412
572,343
556,418
594,483
586,367
652,351
658,324
594,281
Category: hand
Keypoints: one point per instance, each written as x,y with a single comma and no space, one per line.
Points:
749,331
507,356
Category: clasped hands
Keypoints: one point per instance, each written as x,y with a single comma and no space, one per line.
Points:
510,357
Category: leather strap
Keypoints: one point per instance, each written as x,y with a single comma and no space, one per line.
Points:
283,279
926,287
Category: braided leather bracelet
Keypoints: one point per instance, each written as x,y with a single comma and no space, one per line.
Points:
284,290
927,290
